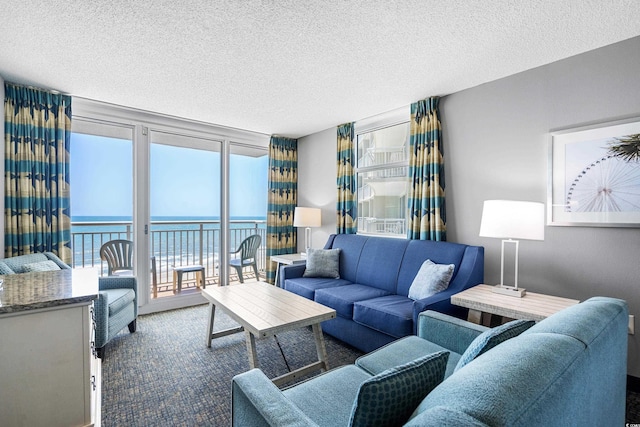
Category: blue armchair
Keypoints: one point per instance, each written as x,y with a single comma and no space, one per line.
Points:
115,308
117,303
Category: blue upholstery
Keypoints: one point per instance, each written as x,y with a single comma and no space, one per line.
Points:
17,263
569,369
387,268
115,308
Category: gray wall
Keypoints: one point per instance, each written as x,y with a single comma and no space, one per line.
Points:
495,139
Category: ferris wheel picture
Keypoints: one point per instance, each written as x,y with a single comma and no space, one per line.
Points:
594,175
608,184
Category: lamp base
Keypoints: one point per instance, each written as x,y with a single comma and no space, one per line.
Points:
509,290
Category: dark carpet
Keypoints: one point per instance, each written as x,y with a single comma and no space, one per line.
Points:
164,375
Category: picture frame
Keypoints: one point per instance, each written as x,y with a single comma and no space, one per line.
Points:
594,175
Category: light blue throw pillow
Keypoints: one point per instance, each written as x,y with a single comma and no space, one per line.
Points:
491,338
5,269
323,263
41,266
431,279
390,397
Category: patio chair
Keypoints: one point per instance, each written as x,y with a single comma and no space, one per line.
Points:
119,257
247,250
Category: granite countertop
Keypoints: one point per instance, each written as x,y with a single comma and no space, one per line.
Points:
32,291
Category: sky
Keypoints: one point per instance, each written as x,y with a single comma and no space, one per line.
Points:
184,182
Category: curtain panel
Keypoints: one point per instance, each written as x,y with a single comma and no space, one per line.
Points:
283,197
426,201
37,131
347,204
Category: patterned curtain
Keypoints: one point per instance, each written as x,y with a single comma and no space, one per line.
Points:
426,202
37,131
346,207
283,197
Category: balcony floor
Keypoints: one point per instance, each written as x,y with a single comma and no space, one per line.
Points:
189,285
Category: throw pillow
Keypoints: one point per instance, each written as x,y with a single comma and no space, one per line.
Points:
5,269
390,397
323,263
47,265
491,338
431,279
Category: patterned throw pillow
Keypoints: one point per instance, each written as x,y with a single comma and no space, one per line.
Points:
323,263
491,338
47,265
390,397
5,269
431,279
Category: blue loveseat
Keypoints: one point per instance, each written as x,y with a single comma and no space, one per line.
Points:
568,370
371,296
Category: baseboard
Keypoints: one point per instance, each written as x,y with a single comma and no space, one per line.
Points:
633,384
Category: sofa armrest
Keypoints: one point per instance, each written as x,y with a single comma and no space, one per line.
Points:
448,331
256,401
292,271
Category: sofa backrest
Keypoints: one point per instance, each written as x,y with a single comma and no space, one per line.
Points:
351,247
569,369
16,264
418,251
380,262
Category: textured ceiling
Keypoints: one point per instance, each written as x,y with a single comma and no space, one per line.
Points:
292,67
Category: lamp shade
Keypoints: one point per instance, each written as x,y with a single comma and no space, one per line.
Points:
507,219
307,217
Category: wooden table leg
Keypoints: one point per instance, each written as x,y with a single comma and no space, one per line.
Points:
320,348
251,350
212,315
474,316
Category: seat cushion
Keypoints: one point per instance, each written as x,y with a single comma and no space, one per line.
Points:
341,298
403,351
390,397
307,286
328,398
392,314
47,265
119,299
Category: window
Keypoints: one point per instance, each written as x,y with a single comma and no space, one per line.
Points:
381,173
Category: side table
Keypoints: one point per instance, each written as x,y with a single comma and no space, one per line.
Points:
286,259
482,303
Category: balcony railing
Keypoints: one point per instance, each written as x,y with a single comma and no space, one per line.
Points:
173,243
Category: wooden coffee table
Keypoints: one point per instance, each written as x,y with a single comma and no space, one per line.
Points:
263,310
480,299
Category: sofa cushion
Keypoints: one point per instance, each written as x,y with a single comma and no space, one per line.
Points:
392,315
17,263
390,397
379,263
5,269
307,286
402,351
491,338
342,298
47,265
119,299
336,389
323,263
431,279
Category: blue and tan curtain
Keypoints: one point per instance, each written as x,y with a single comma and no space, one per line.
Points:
426,201
283,197
347,204
37,131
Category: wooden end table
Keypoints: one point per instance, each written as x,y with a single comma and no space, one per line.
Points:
482,303
263,310
286,259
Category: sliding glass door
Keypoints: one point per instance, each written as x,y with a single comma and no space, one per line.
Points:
184,194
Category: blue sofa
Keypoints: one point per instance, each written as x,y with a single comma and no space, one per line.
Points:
370,297
569,369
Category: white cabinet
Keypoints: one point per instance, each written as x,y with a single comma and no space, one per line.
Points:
49,375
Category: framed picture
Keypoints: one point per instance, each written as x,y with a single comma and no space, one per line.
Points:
594,175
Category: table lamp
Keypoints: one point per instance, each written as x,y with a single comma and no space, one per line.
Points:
512,220
307,217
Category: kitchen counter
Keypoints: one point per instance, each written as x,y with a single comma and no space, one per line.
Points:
33,291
